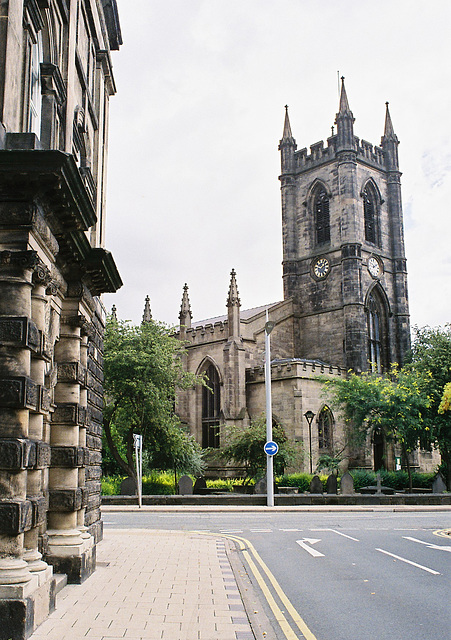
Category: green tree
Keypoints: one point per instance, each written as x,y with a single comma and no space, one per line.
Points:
143,370
394,404
431,356
245,447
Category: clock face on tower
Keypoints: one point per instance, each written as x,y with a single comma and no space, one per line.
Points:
321,268
374,267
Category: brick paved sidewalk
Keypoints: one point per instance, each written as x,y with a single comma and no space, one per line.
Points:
153,585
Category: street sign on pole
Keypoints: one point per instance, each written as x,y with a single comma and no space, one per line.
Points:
269,326
138,442
271,448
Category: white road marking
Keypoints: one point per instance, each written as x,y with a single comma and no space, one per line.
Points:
230,530
261,530
414,564
431,545
291,529
339,533
312,552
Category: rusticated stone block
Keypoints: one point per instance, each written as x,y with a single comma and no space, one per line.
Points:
45,400
72,372
42,455
19,393
20,331
12,454
95,457
39,510
70,413
94,415
68,456
16,516
65,499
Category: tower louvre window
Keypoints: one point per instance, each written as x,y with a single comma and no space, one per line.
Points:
322,219
370,215
211,403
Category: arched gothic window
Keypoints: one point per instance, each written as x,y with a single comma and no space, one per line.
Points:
322,219
378,355
370,214
325,428
211,403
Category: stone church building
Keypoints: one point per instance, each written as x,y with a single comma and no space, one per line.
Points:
55,84
345,300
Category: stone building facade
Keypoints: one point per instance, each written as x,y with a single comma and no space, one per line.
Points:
55,84
345,298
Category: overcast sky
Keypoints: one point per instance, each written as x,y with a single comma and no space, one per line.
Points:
193,187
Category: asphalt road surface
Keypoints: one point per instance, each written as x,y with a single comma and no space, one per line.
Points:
366,576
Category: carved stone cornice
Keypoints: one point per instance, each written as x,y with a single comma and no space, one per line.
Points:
54,179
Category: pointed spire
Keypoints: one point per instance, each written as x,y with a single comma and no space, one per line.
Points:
287,136
390,142
344,104
147,315
345,123
185,314
233,299
389,132
114,313
287,146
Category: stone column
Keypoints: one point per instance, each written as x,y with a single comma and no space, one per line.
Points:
71,549
26,583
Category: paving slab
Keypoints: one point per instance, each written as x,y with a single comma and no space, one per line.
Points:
153,585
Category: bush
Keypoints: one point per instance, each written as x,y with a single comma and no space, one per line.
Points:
300,480
158,484
398,480
111,484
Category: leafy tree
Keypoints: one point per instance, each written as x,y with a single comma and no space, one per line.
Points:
431,356
394,404
245,447
143,370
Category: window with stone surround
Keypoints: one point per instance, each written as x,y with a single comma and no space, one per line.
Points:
377,327
211,404
325,428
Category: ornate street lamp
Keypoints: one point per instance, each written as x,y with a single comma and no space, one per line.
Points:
309,415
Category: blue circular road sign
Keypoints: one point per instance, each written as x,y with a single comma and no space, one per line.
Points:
271,448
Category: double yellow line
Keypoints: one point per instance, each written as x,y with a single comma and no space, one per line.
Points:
253,558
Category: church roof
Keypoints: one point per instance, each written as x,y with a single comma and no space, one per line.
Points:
246,315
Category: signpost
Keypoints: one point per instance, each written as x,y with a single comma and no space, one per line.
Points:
269,326
138,442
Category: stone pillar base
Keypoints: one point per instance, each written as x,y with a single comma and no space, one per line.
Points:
72,552
23,607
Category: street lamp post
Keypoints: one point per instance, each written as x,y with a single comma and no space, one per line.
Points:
269,326
309,415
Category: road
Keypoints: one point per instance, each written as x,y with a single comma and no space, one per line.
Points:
371,575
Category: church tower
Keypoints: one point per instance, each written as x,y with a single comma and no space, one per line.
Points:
344,261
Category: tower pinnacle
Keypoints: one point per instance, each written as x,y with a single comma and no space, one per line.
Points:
390,142
233,307
185,314
147,315
345,122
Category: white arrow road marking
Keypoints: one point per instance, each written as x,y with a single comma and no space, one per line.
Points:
414,564
338,533
312,552
431,545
